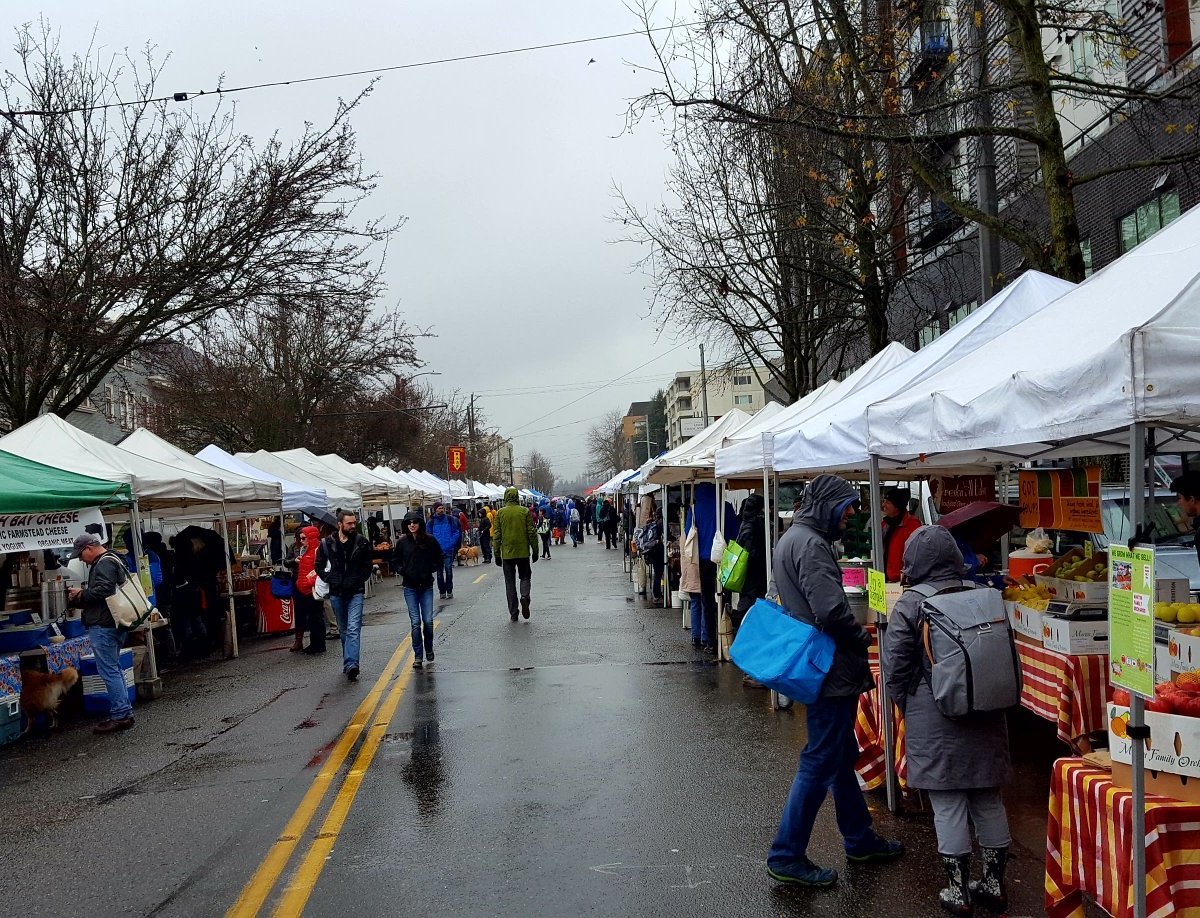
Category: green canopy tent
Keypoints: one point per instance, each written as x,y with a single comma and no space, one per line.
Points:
30,487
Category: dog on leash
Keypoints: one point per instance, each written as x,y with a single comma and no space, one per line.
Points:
41,693
470,555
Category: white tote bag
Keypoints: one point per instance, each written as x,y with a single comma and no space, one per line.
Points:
718,548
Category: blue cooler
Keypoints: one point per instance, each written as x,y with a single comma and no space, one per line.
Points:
95,696
10,719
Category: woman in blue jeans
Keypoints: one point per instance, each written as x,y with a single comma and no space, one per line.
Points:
418,558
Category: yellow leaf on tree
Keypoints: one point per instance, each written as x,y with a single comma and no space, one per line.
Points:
979,19
1170,129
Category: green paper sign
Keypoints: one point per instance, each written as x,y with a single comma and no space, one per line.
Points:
876,591
1131,618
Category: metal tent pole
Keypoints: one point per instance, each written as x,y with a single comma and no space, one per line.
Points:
231,628
1137,719
768,521
885,707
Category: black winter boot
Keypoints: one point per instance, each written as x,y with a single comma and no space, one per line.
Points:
990,891
956,897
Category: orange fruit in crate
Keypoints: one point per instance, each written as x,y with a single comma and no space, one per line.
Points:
1192,678
1118,726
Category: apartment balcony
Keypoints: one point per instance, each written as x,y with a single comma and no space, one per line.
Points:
930,48
933,223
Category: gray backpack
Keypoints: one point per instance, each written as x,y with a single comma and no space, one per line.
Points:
973,660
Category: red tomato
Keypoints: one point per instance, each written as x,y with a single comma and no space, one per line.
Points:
1165,688
1187,705
1121,697
1163,704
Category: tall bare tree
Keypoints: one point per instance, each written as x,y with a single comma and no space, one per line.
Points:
541,475
607,445
125,222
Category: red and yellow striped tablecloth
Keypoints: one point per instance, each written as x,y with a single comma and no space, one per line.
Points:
1069,691
867,729
1088,847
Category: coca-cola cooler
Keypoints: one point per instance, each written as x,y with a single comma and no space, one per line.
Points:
275,614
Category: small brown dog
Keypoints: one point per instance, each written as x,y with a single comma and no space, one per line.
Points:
42,692
470,555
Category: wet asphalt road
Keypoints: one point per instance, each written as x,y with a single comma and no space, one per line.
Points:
586,762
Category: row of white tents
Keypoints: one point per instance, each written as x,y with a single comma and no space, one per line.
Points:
1046,369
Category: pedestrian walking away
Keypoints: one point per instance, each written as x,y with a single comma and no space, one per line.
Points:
485,536
650,547
576,533
310,611
344,562
960,762
106,573
448,531
418,557
810,589
543,531
515,545
608,524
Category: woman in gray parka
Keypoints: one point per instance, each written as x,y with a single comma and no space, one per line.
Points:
960,762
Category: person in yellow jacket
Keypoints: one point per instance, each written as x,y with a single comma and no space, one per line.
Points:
515,544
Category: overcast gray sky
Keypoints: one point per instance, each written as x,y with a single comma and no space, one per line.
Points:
504,168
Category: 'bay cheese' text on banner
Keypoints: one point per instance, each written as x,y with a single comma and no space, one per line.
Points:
1061,499
36,531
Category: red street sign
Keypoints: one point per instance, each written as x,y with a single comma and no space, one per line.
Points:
456,459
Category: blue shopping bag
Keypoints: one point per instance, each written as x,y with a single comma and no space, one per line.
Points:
783,653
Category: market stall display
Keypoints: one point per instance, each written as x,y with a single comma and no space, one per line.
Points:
1089,844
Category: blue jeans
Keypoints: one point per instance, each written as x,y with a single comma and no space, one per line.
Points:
826,763
696,608
107,644
420,616
445,575
348,612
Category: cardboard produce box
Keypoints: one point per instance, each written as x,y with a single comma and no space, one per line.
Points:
1025,620
1184,651
1172,756
1073,636
1174,589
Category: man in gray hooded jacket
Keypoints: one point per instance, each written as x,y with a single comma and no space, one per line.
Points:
810,589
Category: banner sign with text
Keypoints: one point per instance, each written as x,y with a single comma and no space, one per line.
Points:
36,531
1061,499
1131,618
956,491
456,459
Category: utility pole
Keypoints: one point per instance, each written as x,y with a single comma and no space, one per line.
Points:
471,426
648,454
512,474
703,388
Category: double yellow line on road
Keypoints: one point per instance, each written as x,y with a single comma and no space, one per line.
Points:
255,893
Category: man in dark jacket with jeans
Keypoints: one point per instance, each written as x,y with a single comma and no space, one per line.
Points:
106,574
810,589
344,562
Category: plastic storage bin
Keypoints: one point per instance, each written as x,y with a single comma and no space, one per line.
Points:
95,696
10,719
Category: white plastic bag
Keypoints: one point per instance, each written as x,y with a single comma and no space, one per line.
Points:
718,548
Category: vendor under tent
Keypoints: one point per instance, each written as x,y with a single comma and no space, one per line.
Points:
157,488
296,496
749,456
336,498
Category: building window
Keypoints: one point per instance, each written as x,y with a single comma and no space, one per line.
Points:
743,399
683,382
110,403
1086,248
957,315
743,380
929,333
684,403
1148,219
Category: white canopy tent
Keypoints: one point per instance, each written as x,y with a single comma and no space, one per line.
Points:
336,497
437,484
835,439
421,492
370,494
614,484
243,496
1120,348
373,487
296,496
677,465
750,455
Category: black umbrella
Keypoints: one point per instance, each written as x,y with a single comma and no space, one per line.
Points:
321,516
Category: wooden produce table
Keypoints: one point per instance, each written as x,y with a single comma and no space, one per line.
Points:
1088,847
1069,691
